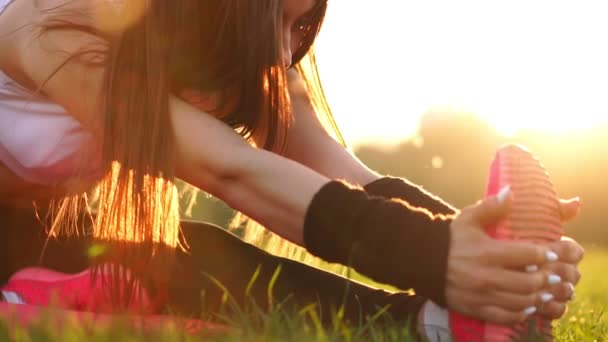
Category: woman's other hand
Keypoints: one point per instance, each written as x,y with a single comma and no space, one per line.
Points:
486,278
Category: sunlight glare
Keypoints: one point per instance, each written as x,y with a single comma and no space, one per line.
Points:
518,64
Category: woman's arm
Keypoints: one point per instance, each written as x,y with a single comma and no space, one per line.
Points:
386,240
64,65
256,182
309,143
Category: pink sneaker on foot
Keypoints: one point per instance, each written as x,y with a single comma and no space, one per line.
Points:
535,217
75,298
77,292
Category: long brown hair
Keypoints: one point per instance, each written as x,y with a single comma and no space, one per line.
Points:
228,45
305,62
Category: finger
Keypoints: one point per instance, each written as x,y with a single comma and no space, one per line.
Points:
490,209
515,282
499,315
518,254
510,281
505,300
568,250
518,302
568,272
562,292
570,208
553,310
473,304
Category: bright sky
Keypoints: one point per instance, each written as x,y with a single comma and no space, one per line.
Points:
517,63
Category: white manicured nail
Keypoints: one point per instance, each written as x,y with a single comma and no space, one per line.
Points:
531,268
554,279
529,311
503,194
546,297
551,256
571,286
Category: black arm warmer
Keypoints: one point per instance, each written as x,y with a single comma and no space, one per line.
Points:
391,187
386,240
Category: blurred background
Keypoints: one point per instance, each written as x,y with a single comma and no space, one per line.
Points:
429,89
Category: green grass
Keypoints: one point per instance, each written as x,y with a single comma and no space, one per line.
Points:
587,320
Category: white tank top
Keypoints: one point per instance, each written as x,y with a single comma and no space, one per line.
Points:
39,141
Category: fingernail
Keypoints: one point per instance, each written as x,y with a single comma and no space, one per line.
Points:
577,203
571,286
529,311
551,256
503,194
554,279
546,297
531,268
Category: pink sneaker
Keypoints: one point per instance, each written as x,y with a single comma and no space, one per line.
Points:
535,217
75,298
77,292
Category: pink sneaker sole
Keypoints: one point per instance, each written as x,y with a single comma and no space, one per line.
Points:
535,217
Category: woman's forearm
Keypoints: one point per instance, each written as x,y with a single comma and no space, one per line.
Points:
273,191
269,188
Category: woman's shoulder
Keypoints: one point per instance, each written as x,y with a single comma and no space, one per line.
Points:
55,56
97,16
39,141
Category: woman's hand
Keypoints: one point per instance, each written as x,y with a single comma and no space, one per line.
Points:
570,254
486,278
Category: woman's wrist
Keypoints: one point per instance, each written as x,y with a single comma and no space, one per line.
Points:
383,239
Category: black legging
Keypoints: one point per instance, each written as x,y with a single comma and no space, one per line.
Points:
213,252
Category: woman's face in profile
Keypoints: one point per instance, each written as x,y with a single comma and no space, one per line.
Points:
295,17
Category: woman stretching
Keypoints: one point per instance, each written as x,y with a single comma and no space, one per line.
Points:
121,98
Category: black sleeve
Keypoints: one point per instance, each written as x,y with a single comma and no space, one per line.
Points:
389,241
391,187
